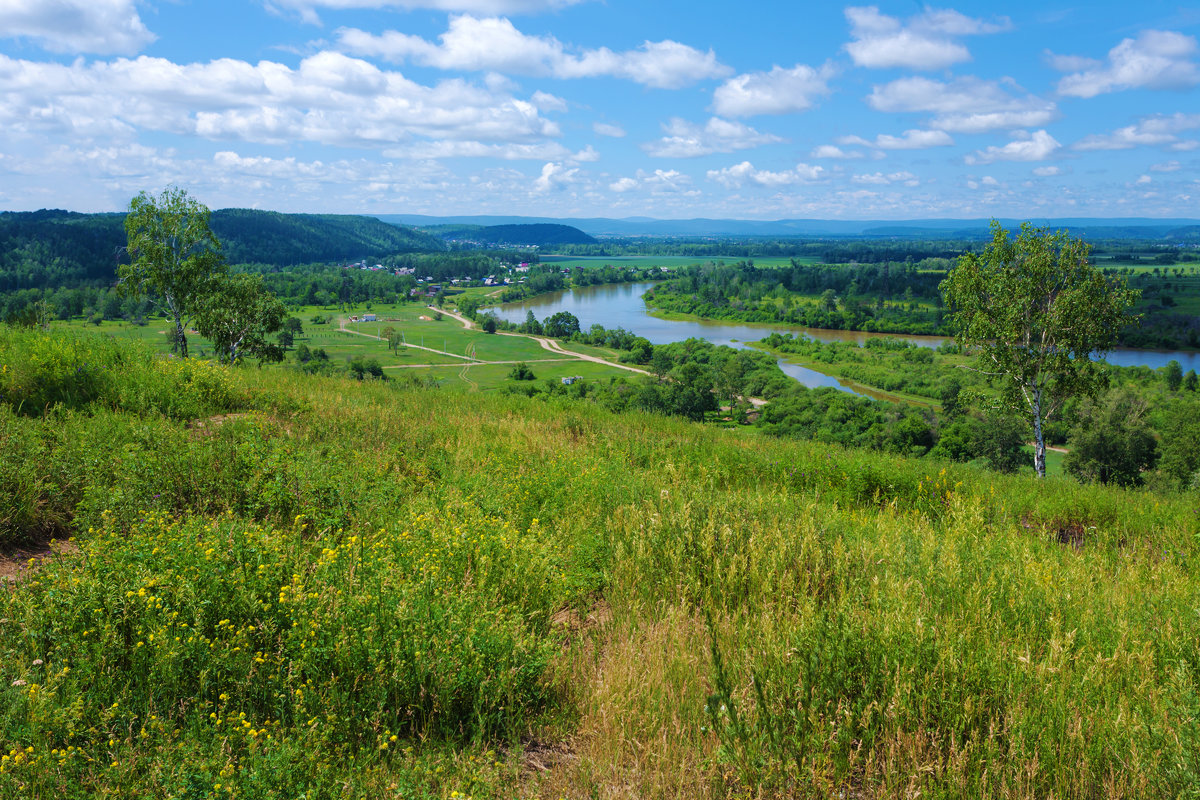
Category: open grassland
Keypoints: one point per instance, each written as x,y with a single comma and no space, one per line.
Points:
281,585
434,342
155,334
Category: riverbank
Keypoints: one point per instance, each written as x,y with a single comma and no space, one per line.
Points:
866,390
622,305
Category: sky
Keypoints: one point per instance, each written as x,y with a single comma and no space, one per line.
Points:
613,108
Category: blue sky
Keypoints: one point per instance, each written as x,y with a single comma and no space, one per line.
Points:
759,110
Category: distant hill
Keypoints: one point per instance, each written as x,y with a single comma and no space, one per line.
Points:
64,248
1126,227
269,237
536,234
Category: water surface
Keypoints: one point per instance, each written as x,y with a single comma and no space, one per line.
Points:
621,306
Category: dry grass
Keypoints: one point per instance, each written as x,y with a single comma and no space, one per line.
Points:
642,732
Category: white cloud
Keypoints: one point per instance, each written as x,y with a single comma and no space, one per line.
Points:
659,182
307,9
780,91
1154,60
548,102
830,151
963,105
605,129
494,43
740,174
1169,166
1064,63
1025,146
1150,131
76,26
880,179
555,177
909,140
586,155
927,41
329,98
1046,172
688,140
1142,181
449,148
105,177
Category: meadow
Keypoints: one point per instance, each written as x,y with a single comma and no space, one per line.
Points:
435,342
268,584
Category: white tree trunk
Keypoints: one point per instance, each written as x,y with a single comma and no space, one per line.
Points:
1039,439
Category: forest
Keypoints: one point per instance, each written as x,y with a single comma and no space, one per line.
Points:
52,249
530,235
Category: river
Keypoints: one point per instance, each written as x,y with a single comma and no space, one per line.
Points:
620,306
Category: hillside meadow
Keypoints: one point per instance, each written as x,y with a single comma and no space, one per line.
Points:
436,350
264,584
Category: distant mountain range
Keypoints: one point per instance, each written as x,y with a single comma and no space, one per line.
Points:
1122,227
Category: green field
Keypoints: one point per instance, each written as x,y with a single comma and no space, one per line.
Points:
434,342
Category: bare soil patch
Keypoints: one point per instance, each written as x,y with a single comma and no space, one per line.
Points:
19,563
206,427
574,622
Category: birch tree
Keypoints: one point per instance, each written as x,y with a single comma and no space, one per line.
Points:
236,315
174,255
1038,314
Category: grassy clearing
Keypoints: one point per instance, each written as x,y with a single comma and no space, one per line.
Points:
1054,462
334,589
435,342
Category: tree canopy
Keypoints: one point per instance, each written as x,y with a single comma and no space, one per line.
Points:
174,255
236,315
1037,312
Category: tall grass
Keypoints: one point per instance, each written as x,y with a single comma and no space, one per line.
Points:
263,600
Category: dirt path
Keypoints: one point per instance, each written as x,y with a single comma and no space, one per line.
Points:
462,376
342,327
466,323
547,344
480,363
554,346
21,562
551,345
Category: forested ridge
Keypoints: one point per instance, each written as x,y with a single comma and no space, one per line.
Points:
533,235
64,249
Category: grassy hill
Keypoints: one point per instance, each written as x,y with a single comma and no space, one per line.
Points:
280,585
